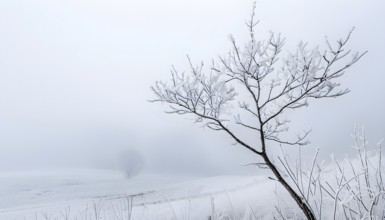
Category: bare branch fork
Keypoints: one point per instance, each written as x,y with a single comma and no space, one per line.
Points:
263,89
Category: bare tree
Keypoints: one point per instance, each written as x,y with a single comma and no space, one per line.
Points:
263,89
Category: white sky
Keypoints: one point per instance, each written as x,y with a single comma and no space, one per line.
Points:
75,75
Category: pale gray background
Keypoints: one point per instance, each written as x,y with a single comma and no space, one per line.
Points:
75,77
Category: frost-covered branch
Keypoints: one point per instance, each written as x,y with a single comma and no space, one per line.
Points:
265,83
353,190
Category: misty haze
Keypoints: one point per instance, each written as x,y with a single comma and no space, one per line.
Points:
221,109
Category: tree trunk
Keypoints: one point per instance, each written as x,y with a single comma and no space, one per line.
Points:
298,199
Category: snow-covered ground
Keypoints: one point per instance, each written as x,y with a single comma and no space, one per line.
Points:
102,194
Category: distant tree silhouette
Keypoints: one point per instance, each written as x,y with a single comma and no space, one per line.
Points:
131,162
